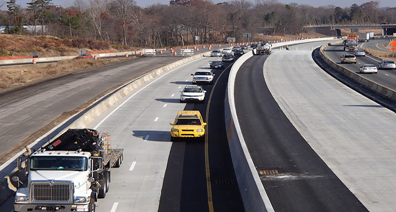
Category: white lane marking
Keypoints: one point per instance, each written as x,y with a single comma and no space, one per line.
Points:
114,208
373,58
165,105
179,86
156,119
172,95
100,123
146,138
132,166
387,75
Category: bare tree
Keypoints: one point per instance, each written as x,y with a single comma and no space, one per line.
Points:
95,12
122,10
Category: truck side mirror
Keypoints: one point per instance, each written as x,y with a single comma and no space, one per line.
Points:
19,164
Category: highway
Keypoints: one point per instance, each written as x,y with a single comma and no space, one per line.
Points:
331,147
384,77
320,146
157,174
376,44
44,105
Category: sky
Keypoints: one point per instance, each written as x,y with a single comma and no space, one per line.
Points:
315,3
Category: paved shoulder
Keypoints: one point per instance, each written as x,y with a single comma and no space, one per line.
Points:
352,134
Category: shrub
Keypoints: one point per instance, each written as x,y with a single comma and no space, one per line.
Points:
3,52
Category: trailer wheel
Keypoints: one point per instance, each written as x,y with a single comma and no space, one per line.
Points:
102,189
107,182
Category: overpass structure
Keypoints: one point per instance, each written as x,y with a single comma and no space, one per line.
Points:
387,29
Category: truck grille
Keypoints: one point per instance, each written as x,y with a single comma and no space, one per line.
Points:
60,192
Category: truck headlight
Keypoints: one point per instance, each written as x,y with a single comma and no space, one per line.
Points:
21,199
175,130
199,130
81,199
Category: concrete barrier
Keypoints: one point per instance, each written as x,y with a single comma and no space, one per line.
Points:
377,88
252,190
55,59
8,187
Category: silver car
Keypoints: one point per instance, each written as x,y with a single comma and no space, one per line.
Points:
368,68
387,64
360,52
203,76
227,58
216,53
226,51
192,93
348,58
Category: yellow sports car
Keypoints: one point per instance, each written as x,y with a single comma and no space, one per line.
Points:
188,124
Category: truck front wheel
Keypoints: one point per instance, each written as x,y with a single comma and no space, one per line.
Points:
92,206
103,187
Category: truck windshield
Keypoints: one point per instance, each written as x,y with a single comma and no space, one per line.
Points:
70,163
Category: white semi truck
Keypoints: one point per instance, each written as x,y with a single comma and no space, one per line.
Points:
263,48
69,173
364,37
350,45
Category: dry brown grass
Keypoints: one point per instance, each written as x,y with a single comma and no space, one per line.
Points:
383,55
47,46
19,75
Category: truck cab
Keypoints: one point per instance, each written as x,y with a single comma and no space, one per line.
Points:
57,177
69,174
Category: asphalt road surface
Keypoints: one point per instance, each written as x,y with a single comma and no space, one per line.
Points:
379,44
26,111
320,146
385,77
160,175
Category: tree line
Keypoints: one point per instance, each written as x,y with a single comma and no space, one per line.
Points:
182,21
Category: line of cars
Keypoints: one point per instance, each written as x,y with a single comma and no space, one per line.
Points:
190,124
367,68
229,54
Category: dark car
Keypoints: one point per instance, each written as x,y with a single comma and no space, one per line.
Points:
239,53
216,64
244,47
89,56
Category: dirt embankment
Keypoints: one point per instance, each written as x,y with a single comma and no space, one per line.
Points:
23,46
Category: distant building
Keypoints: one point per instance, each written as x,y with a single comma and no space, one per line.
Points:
180,2
29,28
